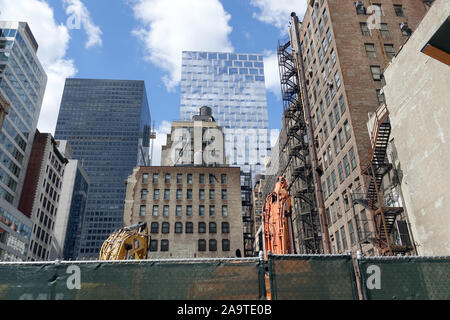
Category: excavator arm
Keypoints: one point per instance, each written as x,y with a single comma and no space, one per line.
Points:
129,243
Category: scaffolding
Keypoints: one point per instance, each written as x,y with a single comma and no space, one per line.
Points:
295,162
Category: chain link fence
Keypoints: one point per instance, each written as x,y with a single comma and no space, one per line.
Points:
286,277
221,279
405,278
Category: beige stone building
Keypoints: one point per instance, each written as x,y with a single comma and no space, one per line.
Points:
191,212
199,142
417,95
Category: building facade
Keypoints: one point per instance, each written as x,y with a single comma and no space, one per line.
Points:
107,124
4,107
341,49
199,142
232,84
417,95
191,212
22,86
41,194
72,206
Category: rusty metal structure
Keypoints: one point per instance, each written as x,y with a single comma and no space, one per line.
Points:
298,161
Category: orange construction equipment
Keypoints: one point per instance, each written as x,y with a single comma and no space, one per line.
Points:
278,235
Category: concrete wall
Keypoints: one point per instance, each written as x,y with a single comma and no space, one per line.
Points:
418,98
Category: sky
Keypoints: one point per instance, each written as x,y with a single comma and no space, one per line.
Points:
144,39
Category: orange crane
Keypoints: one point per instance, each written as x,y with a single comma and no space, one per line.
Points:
278,234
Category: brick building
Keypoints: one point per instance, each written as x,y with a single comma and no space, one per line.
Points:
191,212
340,50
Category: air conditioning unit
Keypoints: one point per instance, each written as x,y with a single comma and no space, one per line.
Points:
310,72
404,26
330,84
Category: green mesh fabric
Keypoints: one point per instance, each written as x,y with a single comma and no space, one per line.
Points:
418,278
312,278
149,280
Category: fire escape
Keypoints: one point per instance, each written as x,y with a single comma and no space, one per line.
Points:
384,216
294,146
247,216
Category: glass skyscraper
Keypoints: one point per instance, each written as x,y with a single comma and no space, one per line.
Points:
232,84
107,124
22,86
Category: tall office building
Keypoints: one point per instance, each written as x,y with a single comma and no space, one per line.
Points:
340,50
22,86
107,124
232,84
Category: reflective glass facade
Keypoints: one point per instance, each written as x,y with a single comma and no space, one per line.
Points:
22,85
107,124
232,84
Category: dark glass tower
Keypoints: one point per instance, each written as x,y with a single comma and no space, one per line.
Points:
107,123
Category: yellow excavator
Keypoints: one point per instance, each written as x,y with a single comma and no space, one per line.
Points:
129,243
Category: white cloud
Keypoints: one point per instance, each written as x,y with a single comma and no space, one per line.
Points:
166,28
53,40
161,137
278,12
272,73
79,16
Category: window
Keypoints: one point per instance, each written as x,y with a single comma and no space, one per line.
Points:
155,178
154,227
405,31
225,227
347,130
179,178
364,29
351,232
380,97
201,194
360,8
224,194
329,35
189,227
212,245
331,118
346,165
325,130
201,211
145,178
338,79
142,211
144,194
390,52
212,211
211,179
330,154
338,241
341,172
166,211
352,158
371,52
225,245
179,194
337,148
167,178
201,178
327,97
333,56
325,160
201,227
212,227
324,190
342,104
399,10
333,179
189,211
201,245
178,227
166,194
156,194
336,113
224,211
165,245
211,194
153,245
325,45
189,178
189,194
325,16
178,211
223,179
320,54
384,31
155,211
165,227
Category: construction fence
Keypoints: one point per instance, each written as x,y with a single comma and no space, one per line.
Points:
284,277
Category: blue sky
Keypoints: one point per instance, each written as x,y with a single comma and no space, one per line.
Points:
143,40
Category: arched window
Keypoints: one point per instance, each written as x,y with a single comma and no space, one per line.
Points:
165,227
212,227
212,245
